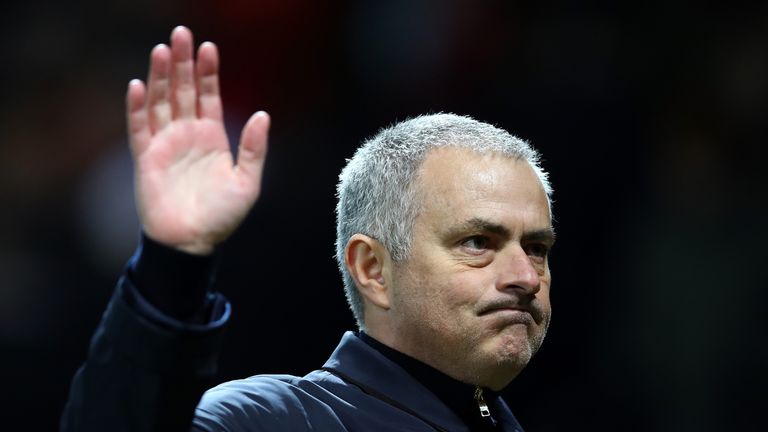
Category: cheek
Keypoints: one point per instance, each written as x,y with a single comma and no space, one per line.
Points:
464,291
432,284
434,296
543,294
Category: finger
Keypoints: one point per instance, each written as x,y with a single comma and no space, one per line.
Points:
253,146
159,91
209,98
139,134
183,100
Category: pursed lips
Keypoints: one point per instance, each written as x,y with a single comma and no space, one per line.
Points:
516,312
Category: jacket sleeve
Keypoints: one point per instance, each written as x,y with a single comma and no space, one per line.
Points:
141,373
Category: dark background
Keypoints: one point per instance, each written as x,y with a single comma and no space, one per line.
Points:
651,117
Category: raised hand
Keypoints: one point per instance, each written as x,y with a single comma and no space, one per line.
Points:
190,192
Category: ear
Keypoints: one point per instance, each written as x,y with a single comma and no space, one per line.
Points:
367,261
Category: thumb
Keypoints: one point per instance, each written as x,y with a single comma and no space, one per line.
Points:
253,145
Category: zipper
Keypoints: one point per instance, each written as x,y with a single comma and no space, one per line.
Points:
484,411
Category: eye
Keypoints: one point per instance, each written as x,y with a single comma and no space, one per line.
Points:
476,243
537,250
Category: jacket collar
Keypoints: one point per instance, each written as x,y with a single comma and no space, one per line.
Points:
367,366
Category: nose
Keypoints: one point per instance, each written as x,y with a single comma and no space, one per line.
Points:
517,272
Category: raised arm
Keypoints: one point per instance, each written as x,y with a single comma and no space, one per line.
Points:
150,361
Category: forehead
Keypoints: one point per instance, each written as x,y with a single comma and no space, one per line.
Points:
460,184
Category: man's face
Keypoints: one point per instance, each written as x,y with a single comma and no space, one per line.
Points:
473,298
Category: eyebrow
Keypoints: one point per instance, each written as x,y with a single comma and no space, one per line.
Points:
546,235
480,224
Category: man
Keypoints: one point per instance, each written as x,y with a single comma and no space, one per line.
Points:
444,227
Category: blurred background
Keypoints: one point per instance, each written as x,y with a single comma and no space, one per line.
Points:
651,118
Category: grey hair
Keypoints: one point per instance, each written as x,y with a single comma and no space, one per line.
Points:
376,193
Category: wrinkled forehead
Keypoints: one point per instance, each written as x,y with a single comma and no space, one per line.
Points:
454,178
451,164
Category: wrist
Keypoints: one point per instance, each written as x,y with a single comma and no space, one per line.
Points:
173,281
198,247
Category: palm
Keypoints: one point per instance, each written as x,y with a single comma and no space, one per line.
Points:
190,186
190,193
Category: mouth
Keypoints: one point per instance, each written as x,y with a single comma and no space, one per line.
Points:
513,313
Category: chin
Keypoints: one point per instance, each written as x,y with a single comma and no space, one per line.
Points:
508,357
506,354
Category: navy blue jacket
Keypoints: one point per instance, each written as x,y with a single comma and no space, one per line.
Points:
142,376
358,389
